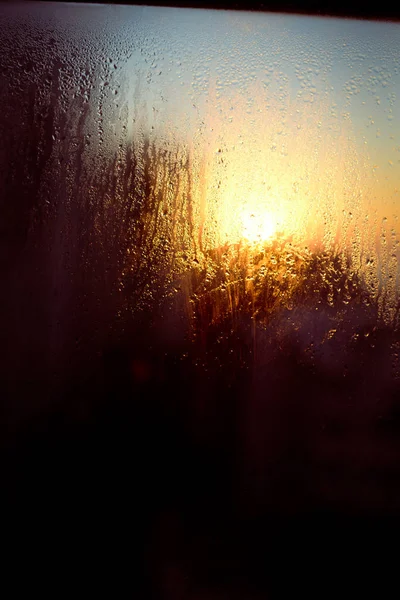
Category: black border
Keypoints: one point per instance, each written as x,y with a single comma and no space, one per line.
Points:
359,9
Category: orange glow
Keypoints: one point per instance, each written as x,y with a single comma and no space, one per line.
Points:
284,171
258,226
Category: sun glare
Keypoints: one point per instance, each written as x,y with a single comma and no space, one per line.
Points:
258,226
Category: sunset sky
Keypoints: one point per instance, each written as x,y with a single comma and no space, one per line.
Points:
304,107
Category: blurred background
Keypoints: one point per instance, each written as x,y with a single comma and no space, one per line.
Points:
199,255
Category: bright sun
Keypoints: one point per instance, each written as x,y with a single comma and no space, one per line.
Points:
258,226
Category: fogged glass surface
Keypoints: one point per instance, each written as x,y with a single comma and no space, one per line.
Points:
200,225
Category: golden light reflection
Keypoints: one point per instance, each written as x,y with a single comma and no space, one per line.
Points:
271,187
284,171
258,226
253,219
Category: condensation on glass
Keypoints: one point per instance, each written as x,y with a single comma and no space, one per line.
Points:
218,192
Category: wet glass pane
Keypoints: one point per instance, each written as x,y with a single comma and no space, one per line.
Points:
199,256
